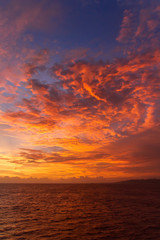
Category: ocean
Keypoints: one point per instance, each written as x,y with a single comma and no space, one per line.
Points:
122,211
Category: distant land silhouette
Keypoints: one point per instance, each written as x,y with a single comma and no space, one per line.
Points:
150,180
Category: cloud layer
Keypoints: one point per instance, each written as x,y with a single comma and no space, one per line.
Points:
83,117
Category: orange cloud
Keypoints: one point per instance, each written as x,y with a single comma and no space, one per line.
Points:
85,117
119,104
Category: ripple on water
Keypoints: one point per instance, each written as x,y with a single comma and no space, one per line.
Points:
80,211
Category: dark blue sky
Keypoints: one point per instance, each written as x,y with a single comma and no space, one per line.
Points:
93,26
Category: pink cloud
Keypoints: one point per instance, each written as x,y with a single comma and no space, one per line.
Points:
140,25
126,32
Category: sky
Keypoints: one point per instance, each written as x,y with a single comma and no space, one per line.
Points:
79,90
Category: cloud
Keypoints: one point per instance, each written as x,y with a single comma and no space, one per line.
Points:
97,117
7,179
118,98
58,155
19,17
81,179
127,27
140,26
140,152
19,21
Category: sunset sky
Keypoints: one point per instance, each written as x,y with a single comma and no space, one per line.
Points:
79,90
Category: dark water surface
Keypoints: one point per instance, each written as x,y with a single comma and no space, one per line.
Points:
80,211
